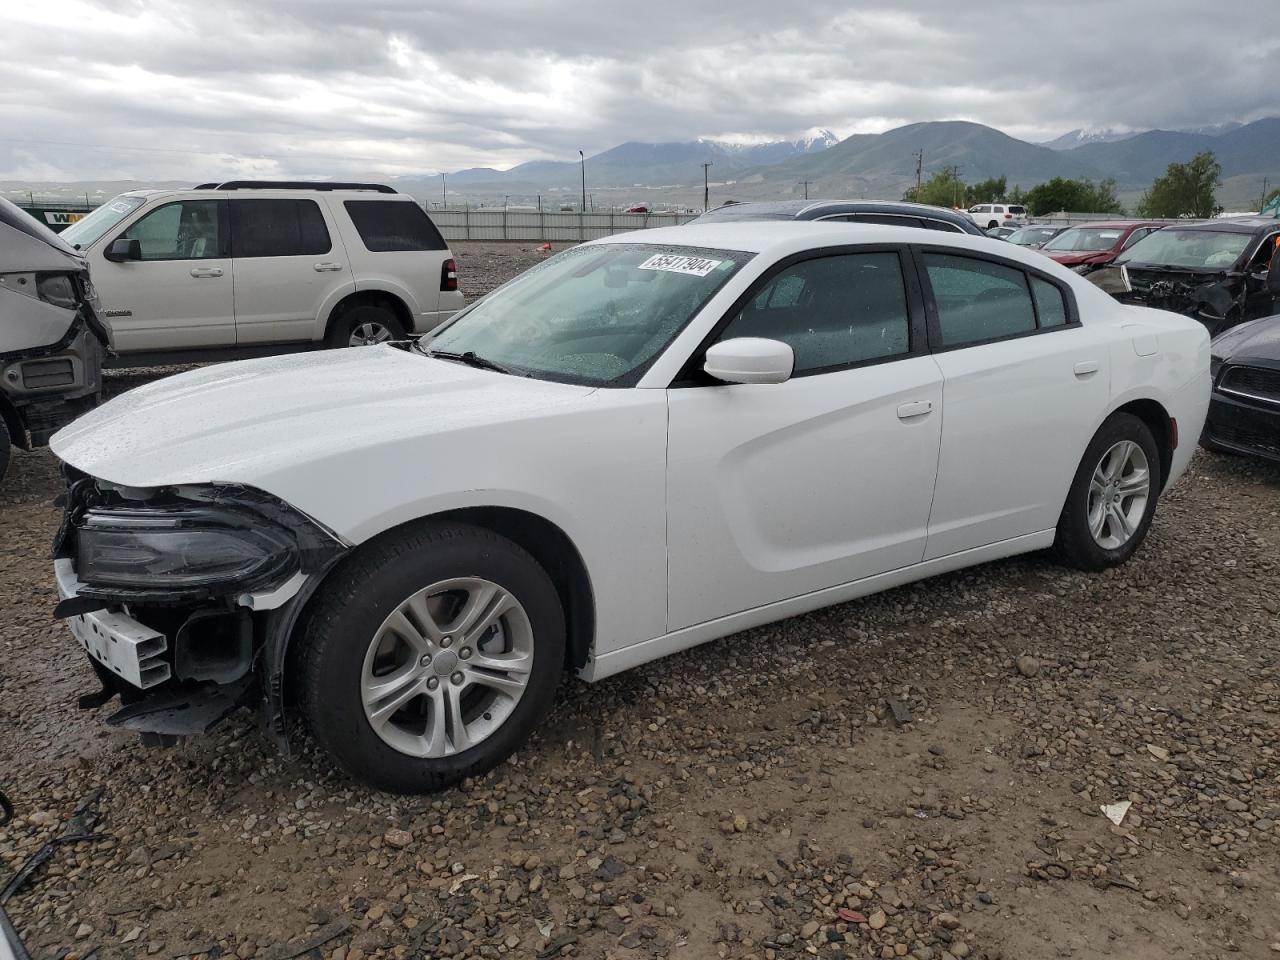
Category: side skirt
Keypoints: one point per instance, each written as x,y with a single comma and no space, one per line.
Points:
608,664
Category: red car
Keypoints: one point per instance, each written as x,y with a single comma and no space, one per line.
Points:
1087,246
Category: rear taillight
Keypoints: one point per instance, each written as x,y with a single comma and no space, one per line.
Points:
1008,215
449,275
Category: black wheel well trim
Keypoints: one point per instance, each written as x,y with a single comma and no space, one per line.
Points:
373,298
546,542
1156,417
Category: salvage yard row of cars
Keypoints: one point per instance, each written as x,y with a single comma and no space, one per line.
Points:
644,443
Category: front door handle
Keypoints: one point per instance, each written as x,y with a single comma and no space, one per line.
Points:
206,272
915,408
1086,368
327,266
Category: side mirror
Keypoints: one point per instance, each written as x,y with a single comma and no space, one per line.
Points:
750,360
122,250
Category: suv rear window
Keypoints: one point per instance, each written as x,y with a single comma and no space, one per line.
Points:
278,228
1019,211
388,225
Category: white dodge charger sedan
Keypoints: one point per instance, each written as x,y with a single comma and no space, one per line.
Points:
642,444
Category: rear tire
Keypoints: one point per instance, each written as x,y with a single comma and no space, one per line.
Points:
1113,496
365,325
409,678
6,449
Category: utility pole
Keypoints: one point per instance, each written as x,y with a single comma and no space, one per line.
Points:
706,188
919,170
1263,202
583,161
444,191
805,184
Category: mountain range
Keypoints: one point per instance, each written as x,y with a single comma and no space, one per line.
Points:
882,165
877,166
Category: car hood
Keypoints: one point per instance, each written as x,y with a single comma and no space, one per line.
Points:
1257,339
1078,257
251,421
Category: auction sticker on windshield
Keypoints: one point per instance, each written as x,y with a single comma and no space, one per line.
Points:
672,263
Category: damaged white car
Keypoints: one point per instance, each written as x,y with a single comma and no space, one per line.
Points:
645,443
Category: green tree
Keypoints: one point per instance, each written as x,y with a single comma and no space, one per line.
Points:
1271,198
1186,190
943,189
991,190
1017,195
1076,196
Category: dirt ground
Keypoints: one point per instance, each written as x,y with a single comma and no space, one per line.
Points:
754,797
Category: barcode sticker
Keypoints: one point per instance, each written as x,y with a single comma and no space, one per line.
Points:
671,263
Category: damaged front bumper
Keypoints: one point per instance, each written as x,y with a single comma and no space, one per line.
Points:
184,599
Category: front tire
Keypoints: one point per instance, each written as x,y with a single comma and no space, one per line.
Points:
431,656
1113,496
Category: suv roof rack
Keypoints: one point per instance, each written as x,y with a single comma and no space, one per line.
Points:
295,185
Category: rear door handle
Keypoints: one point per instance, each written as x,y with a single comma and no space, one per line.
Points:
1086,368
327,266
915,408
206,272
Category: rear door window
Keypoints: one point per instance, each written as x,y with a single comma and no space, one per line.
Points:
278,228
978,300
389,225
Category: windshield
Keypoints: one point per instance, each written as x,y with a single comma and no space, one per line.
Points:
89,228
593,314
1192,249
1085,238
1031,235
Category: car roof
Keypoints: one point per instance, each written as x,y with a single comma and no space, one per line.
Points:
1253,224
812,209
782,238
1116,224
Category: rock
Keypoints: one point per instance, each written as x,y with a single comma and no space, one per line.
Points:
959,949
739,823
809,929
947,921
132,935
397,839
876,919
83,930
1027,666
1236,806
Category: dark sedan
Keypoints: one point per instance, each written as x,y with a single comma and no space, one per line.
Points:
893,213
1244,408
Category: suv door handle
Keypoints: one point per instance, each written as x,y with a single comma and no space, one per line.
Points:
327,266
206,272
1086,368
915,408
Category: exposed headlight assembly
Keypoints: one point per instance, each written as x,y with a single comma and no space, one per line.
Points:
177,548
1083,267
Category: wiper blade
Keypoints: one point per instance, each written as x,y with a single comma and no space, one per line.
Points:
473,359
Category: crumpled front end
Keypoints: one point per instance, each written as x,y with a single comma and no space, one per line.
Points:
183,598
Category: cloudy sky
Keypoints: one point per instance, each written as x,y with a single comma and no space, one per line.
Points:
156,89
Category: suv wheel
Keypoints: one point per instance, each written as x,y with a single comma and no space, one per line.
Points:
364,326
1113,496
993,224
431,657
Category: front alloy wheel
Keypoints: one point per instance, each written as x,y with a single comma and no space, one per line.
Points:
369,334
447,667
429,655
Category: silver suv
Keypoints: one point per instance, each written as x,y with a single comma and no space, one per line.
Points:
247,268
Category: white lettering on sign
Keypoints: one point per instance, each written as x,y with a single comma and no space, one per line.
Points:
673,263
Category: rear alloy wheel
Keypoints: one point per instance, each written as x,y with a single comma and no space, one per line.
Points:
1113,496
430,656
366,326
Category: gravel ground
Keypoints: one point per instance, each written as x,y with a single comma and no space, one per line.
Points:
755,797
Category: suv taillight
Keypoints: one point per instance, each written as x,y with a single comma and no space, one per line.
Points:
449,275
1008,215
